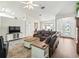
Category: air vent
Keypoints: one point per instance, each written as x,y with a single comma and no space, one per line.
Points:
42,7
40,15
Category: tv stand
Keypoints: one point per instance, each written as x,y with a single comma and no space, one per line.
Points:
13,36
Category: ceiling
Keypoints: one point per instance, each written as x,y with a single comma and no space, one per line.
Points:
55,9
52,9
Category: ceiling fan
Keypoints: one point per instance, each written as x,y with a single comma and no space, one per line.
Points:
29,4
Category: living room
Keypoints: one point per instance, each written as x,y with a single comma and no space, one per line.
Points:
39,29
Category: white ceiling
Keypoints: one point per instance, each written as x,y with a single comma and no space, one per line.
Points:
51,10
55,8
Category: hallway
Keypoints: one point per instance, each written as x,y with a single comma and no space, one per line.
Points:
66,49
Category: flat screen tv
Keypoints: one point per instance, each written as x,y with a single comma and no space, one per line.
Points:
14,29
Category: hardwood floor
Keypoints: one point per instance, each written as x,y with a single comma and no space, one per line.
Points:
66,49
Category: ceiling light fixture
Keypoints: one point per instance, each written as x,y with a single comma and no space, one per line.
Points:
7,11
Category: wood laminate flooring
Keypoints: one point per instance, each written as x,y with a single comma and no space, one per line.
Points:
65,49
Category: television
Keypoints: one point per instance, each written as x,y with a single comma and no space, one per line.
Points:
14,29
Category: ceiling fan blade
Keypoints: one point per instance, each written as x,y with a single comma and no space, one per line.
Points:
23,2
35,5
30,7
27,2
30,1
26,7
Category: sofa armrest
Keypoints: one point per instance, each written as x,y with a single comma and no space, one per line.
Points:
6,46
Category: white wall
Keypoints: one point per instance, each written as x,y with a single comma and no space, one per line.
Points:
26,31
6,22
67,26
30,26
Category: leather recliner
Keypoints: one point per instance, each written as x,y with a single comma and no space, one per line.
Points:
3,48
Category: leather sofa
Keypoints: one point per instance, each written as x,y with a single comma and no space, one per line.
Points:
50,39
42,34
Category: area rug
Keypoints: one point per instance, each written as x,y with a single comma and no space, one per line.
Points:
19,52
